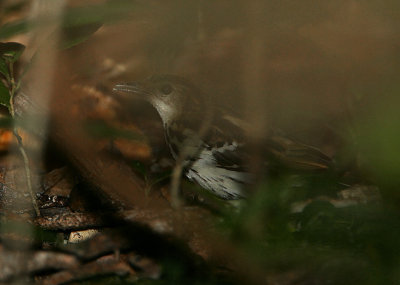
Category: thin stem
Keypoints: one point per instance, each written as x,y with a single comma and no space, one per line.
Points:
187,150
11,82
27,171
158,180
176,200
13,89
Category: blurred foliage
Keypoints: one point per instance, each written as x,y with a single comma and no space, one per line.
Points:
75,35
74,17
323,242
4,95
6,122
101,129
10,52
379,138
15,233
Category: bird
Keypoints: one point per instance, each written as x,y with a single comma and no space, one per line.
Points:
213,142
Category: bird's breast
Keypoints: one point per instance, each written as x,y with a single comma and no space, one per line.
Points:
179,138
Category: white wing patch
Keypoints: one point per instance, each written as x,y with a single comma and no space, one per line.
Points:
227,184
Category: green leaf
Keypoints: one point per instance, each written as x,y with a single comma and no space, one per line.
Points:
4,95
104,13
6,122
11,51
101,129
109,12
4,68
14,28
139,167
75,35
15,6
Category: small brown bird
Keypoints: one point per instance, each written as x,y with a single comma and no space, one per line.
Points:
212,142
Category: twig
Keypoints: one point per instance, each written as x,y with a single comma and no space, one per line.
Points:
27,171
14,87
186,152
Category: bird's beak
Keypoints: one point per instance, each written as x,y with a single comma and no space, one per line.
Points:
135,88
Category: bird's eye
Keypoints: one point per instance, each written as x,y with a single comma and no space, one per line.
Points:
166,89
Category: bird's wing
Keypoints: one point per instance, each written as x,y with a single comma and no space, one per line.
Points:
297,155
228,136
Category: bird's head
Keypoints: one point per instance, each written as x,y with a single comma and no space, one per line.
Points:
171,95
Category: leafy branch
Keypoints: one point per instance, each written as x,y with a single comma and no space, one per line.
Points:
75,28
